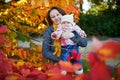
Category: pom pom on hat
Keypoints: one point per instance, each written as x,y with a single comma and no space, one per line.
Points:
68,18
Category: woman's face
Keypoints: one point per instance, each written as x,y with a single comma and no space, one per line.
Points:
55,16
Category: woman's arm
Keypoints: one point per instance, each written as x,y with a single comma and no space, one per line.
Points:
78,40
47,48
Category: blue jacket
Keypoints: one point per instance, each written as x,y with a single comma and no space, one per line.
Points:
48,48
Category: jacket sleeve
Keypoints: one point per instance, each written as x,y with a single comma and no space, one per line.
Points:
78,40
47,50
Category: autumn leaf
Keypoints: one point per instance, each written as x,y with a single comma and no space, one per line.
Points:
38,74
25,72
110,49
97,71
92,57
107,50
12,76
55,74
2,40
75,55
35,71
66,66
5,67
61,77
118,73
98,67
69,67
3,29
54,71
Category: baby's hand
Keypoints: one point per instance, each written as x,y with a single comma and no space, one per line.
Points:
54,36
83,34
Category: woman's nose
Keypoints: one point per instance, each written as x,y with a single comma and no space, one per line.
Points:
56,17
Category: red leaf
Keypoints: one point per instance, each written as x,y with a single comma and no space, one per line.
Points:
69,67
118,73
5,67
3,29
54,71
25,72
92,58
61,77
110,49
106,50
66,66
2,40
13,76
75,55
38,75
35,72
99,70
69,58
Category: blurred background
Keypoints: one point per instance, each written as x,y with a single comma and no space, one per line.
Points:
97,17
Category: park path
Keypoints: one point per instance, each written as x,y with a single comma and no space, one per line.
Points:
38,40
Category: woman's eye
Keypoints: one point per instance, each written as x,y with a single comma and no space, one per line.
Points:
52,16
57,14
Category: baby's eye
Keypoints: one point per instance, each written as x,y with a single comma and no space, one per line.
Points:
68,22
63,22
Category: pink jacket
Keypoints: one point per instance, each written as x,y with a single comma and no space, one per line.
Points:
57,34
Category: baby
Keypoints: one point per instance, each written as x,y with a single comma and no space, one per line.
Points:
64,30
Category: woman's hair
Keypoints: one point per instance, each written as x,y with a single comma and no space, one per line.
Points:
61,11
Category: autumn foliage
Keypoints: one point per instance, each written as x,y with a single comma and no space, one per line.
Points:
18,63
28,64
28,16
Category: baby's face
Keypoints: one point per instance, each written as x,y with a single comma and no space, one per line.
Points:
66,24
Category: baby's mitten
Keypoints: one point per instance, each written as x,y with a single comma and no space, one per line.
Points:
83,34
53,35
67,35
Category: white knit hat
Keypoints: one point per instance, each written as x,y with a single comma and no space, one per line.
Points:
69,18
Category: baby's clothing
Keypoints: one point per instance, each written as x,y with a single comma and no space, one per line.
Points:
67,50
59,32
68,45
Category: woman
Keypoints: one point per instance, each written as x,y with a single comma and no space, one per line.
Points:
53,17
51,49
